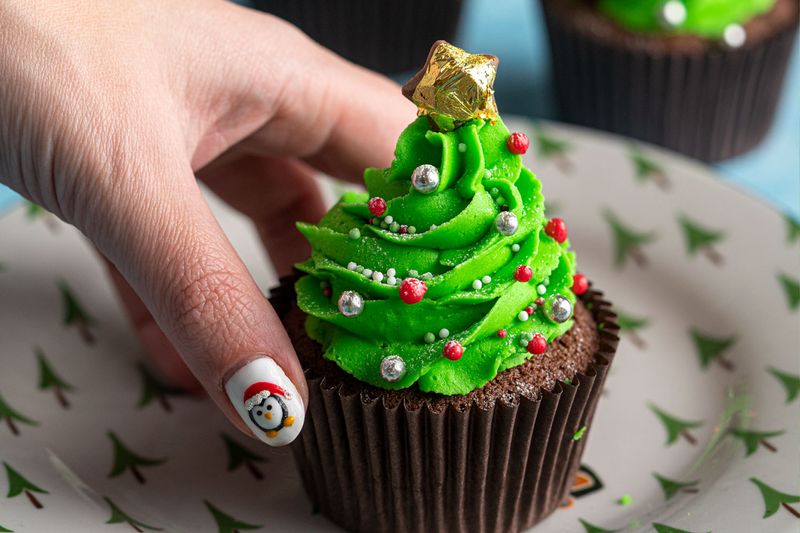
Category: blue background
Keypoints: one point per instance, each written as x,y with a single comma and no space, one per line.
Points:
514,31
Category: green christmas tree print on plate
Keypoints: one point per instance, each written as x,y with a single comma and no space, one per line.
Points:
49,379
118,516
752,439
552,148
675,426
712,349
4,530
790,382
226,523
239,455
18,484
628,242
154,390
591,528
791,287
700,239
646,169
630,325
74,313
126,459
792,229
663,528
775,499
671,487
11,417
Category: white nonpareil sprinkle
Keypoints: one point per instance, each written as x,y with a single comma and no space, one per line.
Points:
429,337
462,147
523,316
486,279
477,284
541,289
352,265
391,272
487,173
444,333
515,247
377,276
367,273
391,280
546,281
434,226
388,219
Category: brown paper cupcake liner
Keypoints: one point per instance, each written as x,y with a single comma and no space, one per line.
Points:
706,102
390,36
370,466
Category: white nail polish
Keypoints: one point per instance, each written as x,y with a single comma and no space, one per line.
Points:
267,401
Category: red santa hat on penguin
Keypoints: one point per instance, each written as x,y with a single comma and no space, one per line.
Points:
258,392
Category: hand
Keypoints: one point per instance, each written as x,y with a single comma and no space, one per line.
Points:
109,111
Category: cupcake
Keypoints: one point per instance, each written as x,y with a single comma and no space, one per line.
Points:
454,356
701,77
388,36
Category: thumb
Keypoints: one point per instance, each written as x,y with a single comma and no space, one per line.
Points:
167,244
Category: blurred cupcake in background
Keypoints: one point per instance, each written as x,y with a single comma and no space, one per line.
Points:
388,36
702,77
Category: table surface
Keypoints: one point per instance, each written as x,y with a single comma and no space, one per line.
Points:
514,31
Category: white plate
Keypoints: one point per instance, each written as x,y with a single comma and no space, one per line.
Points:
729,290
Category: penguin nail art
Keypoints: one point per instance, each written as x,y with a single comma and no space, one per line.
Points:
267,401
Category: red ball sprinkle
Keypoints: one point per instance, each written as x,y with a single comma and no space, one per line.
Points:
537,345
529,310
453,350
403,229
326,292
371,220
412,290
523,273
539,301
502,333
518,143
557,229
377,206
579,284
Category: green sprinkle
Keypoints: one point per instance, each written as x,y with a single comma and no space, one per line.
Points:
384,225
499,200
413,273
494,191
579,434
523,342
355,234
625,500
568,381
601,326
394,227
376,221
427,276
429,337
359,269
412,230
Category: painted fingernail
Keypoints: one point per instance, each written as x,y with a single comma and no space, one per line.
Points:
267,401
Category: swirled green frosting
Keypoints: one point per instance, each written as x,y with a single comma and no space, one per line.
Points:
452,241
705,18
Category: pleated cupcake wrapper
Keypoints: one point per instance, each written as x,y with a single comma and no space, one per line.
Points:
390,36
373,467
710,105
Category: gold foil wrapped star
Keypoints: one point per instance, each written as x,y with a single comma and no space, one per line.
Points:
455,84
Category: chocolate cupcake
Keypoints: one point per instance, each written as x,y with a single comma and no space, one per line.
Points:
701,77
388,36
454,357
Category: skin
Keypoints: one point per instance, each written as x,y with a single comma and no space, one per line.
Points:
112,112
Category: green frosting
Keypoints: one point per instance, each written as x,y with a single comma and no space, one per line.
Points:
454,241
705,18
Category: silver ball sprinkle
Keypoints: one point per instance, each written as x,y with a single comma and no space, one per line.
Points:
558,309
671,14
393,368
425,178
506,223
351,303
734,36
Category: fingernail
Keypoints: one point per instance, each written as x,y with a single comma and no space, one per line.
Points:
267,401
